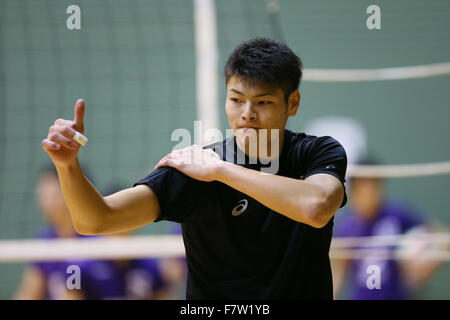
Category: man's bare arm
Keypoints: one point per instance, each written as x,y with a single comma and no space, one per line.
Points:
32,286
419,269
312,201
91,212
339,269
94,214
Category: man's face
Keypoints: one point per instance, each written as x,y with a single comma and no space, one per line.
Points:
366,197
259,107
50,199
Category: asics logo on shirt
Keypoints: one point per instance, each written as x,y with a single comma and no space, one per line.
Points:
240,208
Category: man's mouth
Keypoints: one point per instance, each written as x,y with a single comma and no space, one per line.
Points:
248,128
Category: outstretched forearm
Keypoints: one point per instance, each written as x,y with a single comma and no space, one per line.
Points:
296,199
87,207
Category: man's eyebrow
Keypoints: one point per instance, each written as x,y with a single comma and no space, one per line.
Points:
258,95
234,90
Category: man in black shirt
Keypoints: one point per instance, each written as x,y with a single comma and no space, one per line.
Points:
256,214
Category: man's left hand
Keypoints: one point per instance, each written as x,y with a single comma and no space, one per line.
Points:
195,162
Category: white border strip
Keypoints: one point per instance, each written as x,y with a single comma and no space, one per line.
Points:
399,171
206,64
91,248
171,246
383,254
388,240
349,75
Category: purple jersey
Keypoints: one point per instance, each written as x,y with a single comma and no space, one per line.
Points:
124,279
393,218
54,272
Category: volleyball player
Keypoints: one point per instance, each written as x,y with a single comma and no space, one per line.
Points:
247,235
47,279
121,279
373,213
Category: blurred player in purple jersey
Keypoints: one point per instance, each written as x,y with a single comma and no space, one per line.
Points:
121,279
174,270
47,280
372,214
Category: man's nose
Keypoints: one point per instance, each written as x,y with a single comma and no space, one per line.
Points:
249,114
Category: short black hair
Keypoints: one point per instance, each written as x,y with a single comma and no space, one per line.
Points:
266,61
368,160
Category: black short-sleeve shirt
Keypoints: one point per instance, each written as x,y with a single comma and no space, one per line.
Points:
236,248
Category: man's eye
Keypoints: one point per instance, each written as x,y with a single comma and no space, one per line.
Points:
265,102
235,100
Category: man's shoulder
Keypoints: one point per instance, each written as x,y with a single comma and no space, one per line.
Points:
220,144
290,135
307,142
295,142
314,140
225,148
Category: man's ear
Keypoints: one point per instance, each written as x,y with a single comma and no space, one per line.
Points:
293,103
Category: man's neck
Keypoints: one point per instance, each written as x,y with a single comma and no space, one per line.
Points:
277,145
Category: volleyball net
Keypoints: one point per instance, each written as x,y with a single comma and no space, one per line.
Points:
437,244
171,246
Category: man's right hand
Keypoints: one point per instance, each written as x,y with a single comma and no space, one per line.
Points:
60,145
92,213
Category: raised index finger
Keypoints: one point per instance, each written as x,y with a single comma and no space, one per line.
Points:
79,114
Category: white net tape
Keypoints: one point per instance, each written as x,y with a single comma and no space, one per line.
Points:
385,254
397,73
91,248
399,171
430,246
171,246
